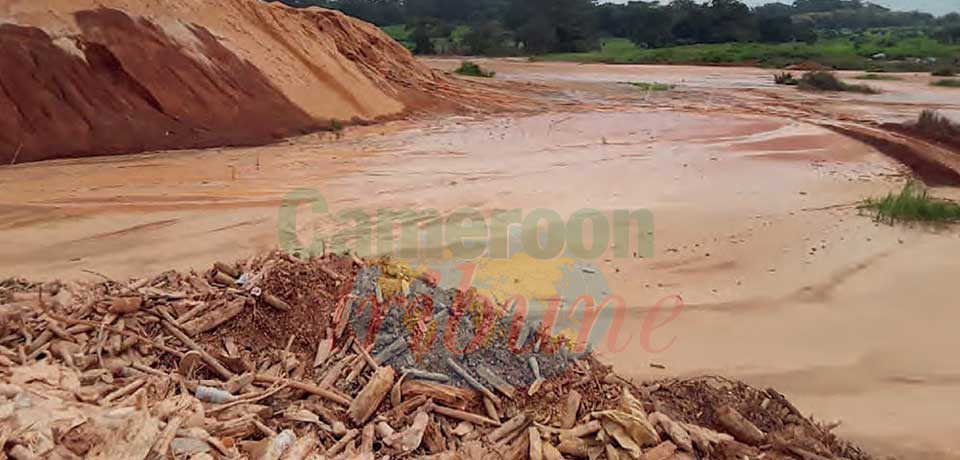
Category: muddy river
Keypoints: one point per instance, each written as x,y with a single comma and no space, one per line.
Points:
754,208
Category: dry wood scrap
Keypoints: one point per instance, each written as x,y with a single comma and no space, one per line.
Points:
570,411
519,422
409,439
370,397
494,380
450,396
674,430
213,319
463,416
741,428
324,393
536,444
472,381
398,346
94,324
207,357
324,348
340,445
227,269
275,302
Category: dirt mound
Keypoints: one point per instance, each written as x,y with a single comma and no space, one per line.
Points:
211,366
103,77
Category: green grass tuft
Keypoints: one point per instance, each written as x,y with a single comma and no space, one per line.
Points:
947,83
878,77
471,69
650,86
827,81
912,204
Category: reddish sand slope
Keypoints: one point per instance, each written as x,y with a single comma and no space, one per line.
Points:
87,78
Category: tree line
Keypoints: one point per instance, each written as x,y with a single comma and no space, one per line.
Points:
501,27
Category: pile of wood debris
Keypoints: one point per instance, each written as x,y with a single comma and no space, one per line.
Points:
254,360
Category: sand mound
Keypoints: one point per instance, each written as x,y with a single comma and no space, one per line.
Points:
93,77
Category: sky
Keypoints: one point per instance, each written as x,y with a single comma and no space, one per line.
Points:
938,7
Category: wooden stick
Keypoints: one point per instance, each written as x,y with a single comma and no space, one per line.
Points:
213,319
472,381
464,416
342,443
207,358
498,383
312,389
518,422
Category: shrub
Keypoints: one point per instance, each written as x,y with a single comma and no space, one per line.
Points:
878,77
912,204
947,83
944,71
932,122
785,78
473,70
823,81
827,81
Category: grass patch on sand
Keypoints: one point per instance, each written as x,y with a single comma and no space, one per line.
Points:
827,81
934,123
650,86
842,53
944,71
471,69
877,77
912,204
947,83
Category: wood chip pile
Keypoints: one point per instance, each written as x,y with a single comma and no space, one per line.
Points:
254,361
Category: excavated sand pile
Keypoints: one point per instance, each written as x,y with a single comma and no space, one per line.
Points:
94,77
260,360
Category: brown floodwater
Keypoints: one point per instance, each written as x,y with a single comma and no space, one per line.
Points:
783,283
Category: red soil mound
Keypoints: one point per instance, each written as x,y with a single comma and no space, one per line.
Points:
128,88
79,79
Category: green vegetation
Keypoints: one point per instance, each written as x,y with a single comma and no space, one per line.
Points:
840,34
847,53
827,81
878,77
944,71
912,204
471,69
933,123
399,33
948,83
650,86
785,78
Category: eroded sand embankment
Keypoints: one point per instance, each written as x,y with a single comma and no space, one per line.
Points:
91,77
